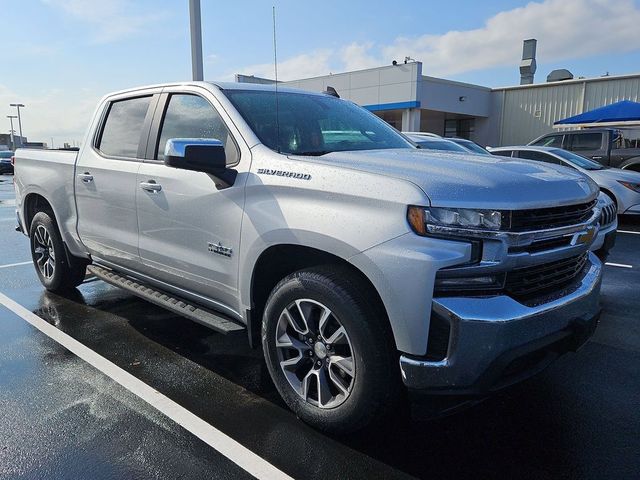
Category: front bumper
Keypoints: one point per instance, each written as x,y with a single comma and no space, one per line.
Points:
496,341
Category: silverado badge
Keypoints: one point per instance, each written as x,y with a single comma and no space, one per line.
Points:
220,249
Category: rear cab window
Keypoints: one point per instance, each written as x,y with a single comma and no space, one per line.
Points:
123,127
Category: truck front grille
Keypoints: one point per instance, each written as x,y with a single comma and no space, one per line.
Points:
528,282
542,218
608,215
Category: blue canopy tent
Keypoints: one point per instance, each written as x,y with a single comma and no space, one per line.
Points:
620,114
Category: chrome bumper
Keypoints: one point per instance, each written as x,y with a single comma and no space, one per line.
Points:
496,341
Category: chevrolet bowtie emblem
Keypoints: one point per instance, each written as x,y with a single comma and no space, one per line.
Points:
584,238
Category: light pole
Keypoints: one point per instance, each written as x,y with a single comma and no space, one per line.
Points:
18,105
13,143
196,40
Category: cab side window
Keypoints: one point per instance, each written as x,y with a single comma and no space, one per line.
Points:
123,126
503,153
538,156
191,116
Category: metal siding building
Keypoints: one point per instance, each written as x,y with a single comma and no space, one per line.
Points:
528,111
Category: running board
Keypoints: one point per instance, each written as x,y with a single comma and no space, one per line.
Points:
178,305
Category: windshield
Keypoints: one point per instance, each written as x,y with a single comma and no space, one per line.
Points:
6,154
440,145
474,147
577,160
312,124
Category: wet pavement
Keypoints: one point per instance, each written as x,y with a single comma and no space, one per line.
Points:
62,418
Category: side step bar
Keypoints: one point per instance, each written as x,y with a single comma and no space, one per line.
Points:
178,305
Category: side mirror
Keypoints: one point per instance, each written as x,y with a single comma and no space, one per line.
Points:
200,155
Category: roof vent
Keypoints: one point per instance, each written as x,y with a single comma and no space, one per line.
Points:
528,63
560,75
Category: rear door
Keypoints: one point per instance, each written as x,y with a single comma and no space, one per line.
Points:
589,144
189,226
106,179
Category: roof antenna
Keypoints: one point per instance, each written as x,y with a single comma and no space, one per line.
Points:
275,67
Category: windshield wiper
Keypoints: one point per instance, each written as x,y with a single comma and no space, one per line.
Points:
313,153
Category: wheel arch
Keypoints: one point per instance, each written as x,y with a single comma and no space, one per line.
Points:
632,164
278,261
34,203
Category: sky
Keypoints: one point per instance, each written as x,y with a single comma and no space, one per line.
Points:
59,57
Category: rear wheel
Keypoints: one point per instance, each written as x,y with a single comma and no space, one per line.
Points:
329,350
56,272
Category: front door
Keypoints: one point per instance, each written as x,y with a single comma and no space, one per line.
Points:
189,228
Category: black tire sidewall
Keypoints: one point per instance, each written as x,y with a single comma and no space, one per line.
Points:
56,282
373,355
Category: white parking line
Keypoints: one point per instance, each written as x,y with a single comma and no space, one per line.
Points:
629,231
621,265
234,451
9,265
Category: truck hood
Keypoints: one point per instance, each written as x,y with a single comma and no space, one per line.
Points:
476,181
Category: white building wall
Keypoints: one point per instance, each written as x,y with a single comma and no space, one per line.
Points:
455,97
375,86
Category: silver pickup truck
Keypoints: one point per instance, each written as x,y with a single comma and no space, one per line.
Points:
365,267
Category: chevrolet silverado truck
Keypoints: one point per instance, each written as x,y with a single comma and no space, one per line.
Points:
364,267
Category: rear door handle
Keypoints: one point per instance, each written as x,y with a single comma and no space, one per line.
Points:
151,186
597,158
86,177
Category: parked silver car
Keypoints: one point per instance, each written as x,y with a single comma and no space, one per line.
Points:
623,186
434,143
470,145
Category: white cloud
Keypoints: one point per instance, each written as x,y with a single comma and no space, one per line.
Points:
301,66
108,20
565,29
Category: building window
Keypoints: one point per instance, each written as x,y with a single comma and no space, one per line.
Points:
392,117
459,127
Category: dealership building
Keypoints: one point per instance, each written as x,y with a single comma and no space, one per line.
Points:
410,101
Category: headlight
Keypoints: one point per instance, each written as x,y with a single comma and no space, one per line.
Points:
421,217
631,186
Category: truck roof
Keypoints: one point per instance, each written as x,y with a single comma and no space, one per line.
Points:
220,85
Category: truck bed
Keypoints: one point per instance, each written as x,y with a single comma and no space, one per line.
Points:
50,174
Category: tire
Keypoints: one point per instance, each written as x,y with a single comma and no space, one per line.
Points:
362,360
55,271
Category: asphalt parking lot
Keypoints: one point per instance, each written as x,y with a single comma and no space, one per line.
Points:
61,417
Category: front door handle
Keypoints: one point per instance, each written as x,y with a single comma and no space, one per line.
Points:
597,157
151,186
86,177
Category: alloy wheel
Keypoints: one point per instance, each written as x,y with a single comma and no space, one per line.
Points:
315,353
44,252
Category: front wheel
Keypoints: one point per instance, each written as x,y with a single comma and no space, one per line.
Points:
329,349
56,272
